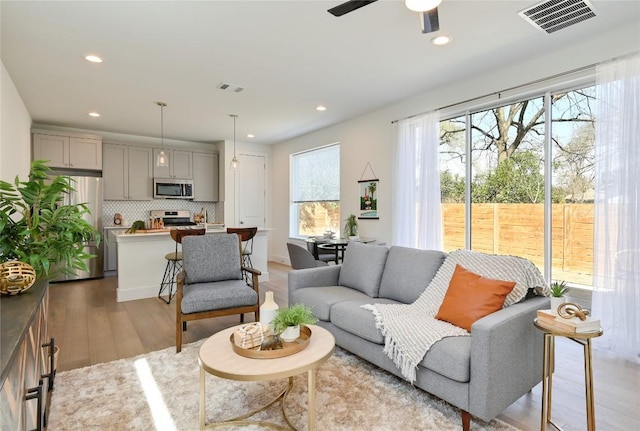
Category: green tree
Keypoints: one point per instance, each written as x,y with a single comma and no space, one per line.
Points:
516,180
451,187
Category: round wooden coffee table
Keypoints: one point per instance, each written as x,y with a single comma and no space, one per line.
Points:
217,357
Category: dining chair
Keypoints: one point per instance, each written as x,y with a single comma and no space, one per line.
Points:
301,258
246,236
320,253
174,262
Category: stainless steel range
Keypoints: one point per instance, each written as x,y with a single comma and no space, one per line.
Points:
173,218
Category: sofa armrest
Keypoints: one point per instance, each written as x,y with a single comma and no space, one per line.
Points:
313,277
506,357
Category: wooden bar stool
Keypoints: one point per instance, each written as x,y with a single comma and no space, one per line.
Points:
174,262
246,236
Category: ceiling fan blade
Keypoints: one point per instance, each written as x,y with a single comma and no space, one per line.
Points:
429,21
349,6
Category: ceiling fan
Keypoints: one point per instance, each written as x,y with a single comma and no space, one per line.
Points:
428,10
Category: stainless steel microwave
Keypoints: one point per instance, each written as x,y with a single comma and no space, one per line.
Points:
172,188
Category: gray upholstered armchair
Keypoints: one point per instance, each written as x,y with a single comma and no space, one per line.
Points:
211,284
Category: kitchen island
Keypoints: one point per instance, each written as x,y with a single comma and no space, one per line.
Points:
141,261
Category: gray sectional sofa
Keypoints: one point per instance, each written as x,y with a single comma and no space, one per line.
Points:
481,374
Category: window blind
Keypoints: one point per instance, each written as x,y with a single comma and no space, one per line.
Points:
316,175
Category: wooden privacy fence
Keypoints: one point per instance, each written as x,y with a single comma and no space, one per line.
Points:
518,229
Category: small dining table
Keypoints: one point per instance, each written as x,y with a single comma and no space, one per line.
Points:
339,245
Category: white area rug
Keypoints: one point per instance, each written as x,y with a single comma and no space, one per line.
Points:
159,391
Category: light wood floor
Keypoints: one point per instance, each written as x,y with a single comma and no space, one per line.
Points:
91,327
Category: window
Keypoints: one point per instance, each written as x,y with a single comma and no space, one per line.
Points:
492,175
315,192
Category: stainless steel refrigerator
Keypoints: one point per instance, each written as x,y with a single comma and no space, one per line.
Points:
88,190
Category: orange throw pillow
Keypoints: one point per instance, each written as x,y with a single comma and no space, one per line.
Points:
471,297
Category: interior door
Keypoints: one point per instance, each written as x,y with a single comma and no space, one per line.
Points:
251,190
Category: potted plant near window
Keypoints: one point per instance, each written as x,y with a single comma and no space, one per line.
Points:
288,320
558,291
351,227
38,229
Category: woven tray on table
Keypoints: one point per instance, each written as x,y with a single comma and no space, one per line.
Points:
16,277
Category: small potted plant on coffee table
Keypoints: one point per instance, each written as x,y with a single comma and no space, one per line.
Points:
288,320
558,291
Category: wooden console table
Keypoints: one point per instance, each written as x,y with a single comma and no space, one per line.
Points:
26,360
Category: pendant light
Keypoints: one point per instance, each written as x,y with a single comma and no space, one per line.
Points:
234,161
162,160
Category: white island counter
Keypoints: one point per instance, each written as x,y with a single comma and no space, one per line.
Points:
141,261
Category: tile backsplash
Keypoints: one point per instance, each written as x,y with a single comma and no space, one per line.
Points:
139,210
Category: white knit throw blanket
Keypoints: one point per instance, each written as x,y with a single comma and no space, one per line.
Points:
410,330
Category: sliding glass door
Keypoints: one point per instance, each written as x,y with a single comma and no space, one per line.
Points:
492,173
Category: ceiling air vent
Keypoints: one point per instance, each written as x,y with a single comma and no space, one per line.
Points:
230,87
554,15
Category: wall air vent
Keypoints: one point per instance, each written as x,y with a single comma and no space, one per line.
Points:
229,87
554,15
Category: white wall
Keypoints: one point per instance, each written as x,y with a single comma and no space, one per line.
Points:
370,138
15,127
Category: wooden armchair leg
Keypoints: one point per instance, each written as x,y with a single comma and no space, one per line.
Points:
184,326
242,318
178,338
466,420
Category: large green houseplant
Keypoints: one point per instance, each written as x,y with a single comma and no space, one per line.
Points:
38,228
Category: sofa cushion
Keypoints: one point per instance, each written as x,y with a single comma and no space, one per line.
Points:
471,296
408,272
348,316
321,299
450,357
362,267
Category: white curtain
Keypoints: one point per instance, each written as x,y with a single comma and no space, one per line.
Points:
616,278
417,220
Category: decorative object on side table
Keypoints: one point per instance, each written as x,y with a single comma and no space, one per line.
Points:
570,318
558,291
38,228
288,320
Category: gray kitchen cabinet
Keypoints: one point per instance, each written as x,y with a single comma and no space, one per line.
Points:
206,182
128,172
180,164
68,152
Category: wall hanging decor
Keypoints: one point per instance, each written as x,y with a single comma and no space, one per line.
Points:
368,195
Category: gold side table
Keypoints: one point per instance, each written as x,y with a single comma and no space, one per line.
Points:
548,367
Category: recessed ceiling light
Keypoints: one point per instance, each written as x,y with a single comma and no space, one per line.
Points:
94,114
321,108
441,40
251,136
93,58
